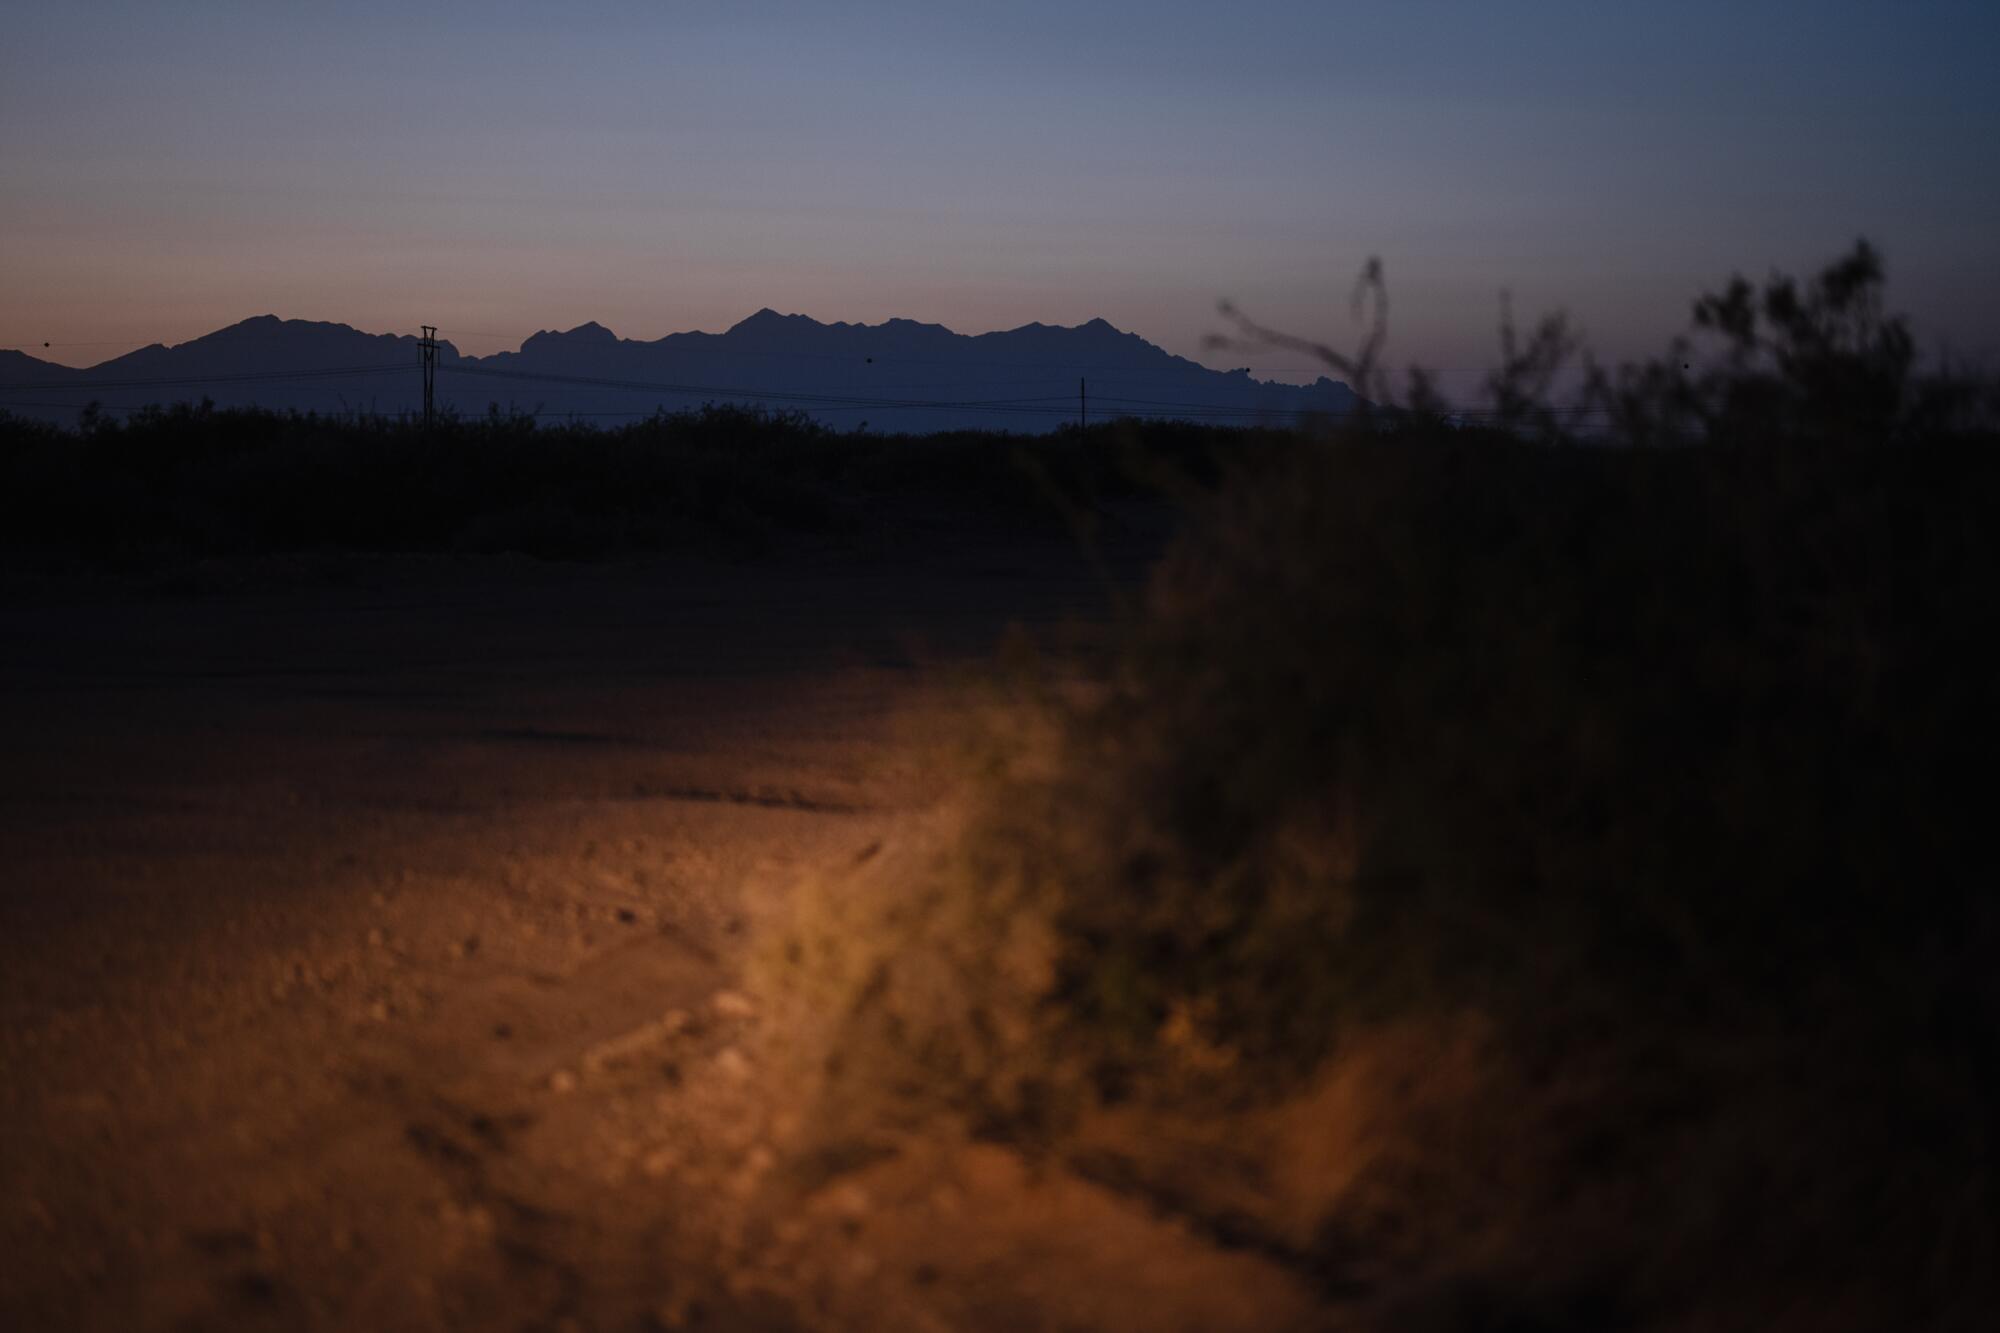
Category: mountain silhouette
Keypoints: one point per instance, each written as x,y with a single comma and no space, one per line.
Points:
900,375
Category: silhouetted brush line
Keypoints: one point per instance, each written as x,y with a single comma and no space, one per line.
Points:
193,481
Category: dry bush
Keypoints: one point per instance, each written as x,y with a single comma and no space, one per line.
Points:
1517,885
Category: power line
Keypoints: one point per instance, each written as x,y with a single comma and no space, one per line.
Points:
212,339
1040,404
1228,417
735,394
863,357
241,377
100,342
1044,405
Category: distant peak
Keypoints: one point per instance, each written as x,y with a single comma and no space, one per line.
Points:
768,318
260,323
590,334
905,329
268,330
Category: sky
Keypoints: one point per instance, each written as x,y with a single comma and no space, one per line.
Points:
499,168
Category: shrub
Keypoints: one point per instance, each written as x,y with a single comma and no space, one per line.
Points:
1548,874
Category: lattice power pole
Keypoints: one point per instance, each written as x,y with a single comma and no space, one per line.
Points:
428,345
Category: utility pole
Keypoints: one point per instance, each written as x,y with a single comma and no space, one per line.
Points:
1082,405
428,345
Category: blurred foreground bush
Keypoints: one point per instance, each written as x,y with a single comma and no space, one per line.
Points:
1520,885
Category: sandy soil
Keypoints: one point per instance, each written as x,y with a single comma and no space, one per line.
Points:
368,944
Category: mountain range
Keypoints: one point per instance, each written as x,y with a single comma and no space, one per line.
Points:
900,375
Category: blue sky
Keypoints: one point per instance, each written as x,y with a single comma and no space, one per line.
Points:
499,168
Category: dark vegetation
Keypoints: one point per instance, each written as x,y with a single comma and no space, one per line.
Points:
1521,883
190,482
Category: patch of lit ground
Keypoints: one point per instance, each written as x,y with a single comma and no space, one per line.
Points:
371,961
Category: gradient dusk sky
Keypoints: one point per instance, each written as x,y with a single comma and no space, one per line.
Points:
500,168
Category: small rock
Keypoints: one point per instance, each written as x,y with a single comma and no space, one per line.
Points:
850,1200
732,1064
732,1004
562,1081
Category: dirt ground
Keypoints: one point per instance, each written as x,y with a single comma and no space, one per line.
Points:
369,936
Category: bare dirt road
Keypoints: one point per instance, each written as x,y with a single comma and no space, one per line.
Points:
369,935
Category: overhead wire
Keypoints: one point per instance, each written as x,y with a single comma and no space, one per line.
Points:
1071,367
1052,404
742,394
240,377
